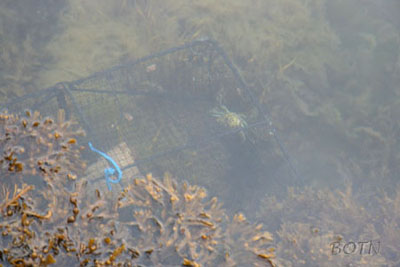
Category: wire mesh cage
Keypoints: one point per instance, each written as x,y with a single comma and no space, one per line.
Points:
186,111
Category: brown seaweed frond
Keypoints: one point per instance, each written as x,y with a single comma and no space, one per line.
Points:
72,231
18,193
245,242
16,224
172,218
153,223
34,145
175,224
91,219
314,225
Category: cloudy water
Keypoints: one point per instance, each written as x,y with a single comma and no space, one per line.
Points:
200,133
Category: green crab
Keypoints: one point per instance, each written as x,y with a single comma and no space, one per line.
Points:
229,118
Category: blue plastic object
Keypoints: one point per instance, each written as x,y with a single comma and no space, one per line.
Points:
109,171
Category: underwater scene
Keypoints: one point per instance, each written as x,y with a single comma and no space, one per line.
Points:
200,133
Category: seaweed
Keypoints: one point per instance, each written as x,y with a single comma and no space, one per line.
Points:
39,146
314,225
68,221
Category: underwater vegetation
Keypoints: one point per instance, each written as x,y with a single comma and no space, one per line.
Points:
32,145
313,226
307,61
321,62
153,221
329,81
262,36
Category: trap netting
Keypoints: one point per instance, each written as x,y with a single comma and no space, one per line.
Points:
185,110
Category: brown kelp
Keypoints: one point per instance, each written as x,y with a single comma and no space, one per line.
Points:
40,146
321,227
176,224
67,221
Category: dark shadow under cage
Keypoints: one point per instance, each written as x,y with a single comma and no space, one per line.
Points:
185,110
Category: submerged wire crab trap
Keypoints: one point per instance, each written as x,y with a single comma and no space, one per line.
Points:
185,110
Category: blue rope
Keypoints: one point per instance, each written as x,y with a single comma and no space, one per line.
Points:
108,172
